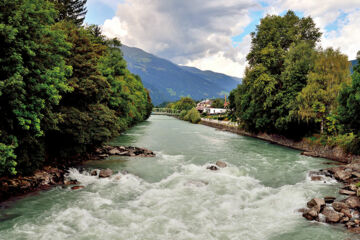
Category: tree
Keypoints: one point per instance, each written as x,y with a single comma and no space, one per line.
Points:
185,103
71,10
349,104
32,80
274,49
193,116
299,61
319,98
218,103
86,120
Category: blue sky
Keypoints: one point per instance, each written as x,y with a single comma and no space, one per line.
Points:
214,34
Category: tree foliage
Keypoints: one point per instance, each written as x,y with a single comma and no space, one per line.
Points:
218,103
64,88
319,98
276,74
71,10
185,103
33,77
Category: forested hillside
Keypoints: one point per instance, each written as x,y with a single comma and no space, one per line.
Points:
64,88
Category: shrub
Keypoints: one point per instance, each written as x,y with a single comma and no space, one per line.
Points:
193,116
183,114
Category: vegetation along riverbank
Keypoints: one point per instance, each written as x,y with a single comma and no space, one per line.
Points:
65,89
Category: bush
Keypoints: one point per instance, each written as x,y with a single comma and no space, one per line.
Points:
193,116
183,114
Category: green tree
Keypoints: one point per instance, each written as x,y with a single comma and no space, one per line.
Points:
218,103
185,103
319,98
33,77
261,100
71,10
193,116
349,104
86,119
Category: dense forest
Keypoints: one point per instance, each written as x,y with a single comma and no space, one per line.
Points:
64,88
293,88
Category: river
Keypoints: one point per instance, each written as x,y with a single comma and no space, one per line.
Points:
173,196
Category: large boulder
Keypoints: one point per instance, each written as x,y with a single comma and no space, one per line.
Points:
311,214
104,173
343,175
317,203
331,215
338,206
353,202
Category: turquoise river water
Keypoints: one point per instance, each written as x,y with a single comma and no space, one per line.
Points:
173,196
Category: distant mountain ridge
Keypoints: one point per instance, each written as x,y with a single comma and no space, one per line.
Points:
167,81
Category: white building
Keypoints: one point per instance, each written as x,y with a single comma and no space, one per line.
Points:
212,111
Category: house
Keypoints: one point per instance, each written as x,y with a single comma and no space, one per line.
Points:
203,104
213,111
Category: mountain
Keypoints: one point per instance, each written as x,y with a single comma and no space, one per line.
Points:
167,81
353,63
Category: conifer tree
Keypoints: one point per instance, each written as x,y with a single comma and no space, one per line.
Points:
71,10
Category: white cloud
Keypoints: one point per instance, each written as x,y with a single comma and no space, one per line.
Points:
197,31
327,13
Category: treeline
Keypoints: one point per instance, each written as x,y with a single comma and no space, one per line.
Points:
295,89
186,107
64,88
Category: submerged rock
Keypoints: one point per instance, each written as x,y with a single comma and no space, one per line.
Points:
221,164
212,168
77,187
105,173
317,178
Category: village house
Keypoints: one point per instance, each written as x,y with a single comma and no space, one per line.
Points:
204,104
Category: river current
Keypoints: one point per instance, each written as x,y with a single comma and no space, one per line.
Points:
173,196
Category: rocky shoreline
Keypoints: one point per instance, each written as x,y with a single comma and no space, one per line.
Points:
51,176
330,210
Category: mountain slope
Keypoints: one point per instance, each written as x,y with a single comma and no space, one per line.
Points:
168,81
353,63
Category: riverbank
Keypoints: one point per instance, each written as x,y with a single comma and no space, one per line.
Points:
332,153
51,176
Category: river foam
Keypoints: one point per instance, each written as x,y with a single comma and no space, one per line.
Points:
193,203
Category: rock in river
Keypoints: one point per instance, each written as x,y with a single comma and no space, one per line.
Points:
331,215
353,202
104,173
77,187
221,164
212,168
317,203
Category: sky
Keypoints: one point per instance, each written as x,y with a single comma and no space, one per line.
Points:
215,34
